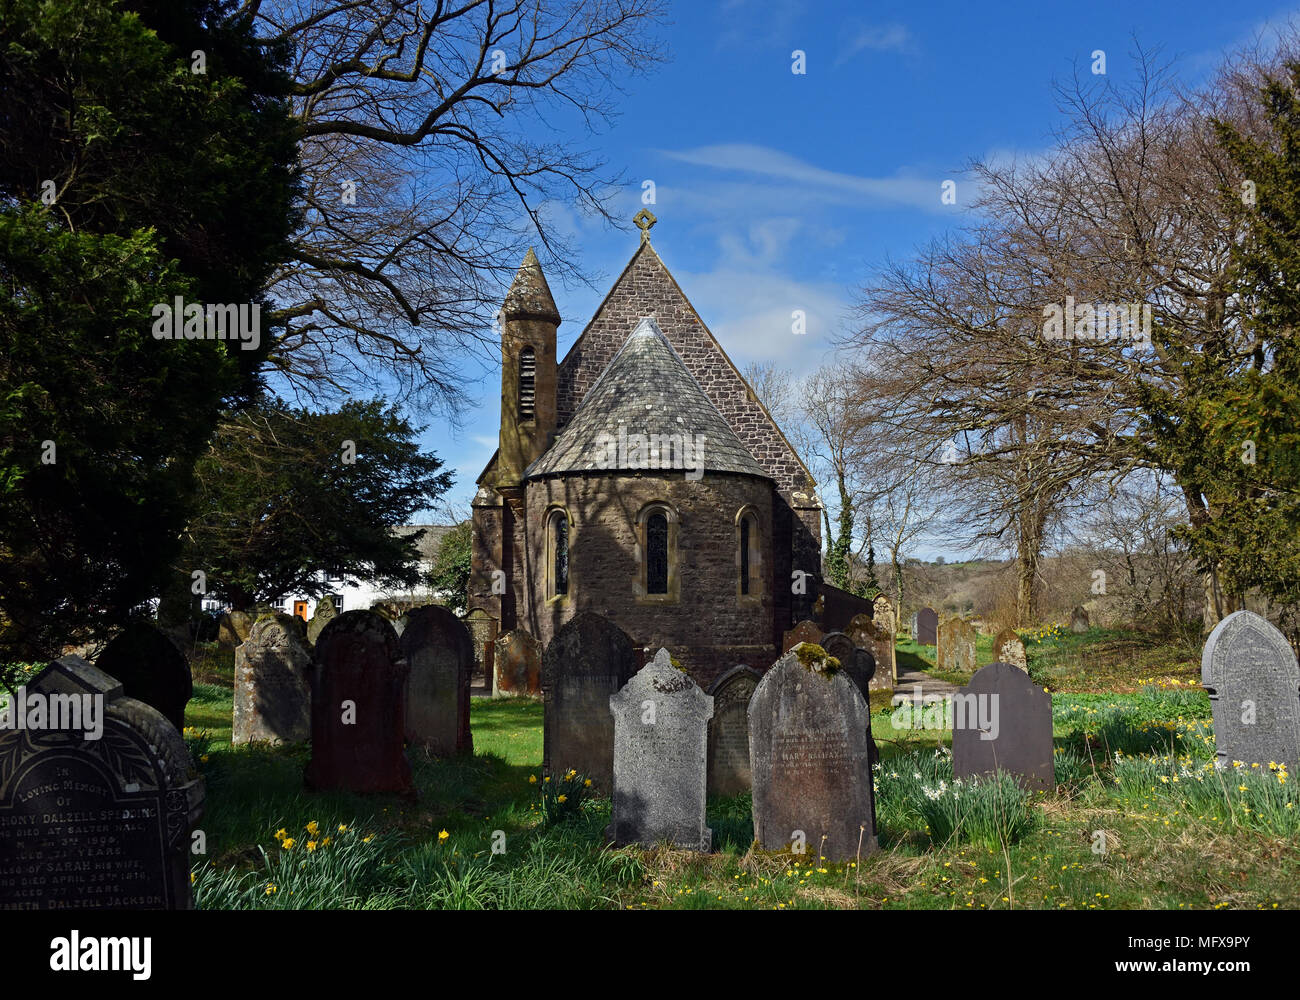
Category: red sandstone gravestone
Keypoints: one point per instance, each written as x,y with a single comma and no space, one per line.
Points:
805,631
358,691
518,665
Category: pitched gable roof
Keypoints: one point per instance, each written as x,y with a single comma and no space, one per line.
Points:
645,389
647,289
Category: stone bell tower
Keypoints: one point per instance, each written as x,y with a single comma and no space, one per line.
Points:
529,321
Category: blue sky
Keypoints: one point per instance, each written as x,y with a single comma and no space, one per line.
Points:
776,191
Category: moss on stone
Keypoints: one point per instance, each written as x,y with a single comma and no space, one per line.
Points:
816,660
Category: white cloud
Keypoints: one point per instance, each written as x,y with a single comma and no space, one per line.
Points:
877,38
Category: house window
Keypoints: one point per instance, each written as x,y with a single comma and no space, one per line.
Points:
656,545
557,569
527,383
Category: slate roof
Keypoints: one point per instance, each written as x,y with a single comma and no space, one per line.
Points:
646,389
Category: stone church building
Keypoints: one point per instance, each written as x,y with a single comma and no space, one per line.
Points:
640,478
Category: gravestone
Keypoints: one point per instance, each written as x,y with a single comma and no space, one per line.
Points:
358,706
233,628
729,772
661,725
868,635
151,669
1002,721
517,665
805,631
483,631
1078,621
1008,648
589,659
886,623
811,764
925,627
94,824
272,686
1253,681
326,612
955,648
439,656
858,661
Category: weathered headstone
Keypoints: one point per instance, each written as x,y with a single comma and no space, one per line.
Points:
854,658
805,631
886,623
439,656
358,706
94,824
1008,648
1002,721
272,686
1250,672
729,772
1078,621
233,628
589,659
811,764
517,665
151,669
661,724
483,630
326,612
955,646
868,635
926,627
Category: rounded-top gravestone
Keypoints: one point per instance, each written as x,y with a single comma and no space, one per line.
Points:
440,657
926,627
811,764
729,771
358,709
1253,681
272,686
151,669
1002,721
589,659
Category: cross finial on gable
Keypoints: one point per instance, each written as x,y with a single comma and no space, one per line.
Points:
644,219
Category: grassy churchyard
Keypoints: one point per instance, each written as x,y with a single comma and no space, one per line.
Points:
1139,817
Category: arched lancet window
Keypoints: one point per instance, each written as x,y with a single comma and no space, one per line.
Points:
656,534
558,553
749,556
527,383
656,546
745,525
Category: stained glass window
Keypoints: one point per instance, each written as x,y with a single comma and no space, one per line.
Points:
561,554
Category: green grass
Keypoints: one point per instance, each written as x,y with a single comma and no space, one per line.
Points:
1138,820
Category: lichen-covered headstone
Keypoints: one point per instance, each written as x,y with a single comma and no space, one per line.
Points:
326,612
93,824
589,659
866,634
661,723
358,709
1008,648
1002,721
886,624
811,764
439,656
151,669
272,685
926,627
729,771
955,646
1250,672
233,627
805,631
517,665
1078,621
